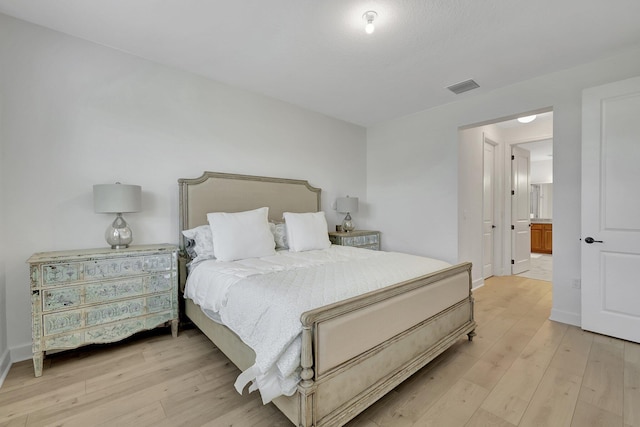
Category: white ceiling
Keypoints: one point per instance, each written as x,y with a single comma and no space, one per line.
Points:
315,53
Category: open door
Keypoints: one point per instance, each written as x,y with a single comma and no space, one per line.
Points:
520,210
611,210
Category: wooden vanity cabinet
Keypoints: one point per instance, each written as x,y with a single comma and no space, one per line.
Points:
542,238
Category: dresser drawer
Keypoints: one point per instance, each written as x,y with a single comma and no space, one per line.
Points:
160,302
67,273
359,239
60,322
106,333
112,290
56,323
159,283
61,274
110,333
59,298
105,269
104,291
101,334
116,311
371,239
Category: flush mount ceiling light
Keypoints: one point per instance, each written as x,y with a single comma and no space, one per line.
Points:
527,119
368,17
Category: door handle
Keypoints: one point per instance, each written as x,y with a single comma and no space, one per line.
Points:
591,240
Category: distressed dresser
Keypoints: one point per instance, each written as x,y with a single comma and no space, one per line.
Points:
100,295
359,238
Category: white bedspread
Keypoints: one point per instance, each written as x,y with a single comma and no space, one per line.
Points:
262,299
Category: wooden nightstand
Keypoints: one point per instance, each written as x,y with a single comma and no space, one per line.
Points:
358,238
100,295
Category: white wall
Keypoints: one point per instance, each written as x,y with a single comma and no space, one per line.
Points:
542,171
412,168
78,114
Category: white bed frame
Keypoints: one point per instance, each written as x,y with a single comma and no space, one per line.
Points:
353,351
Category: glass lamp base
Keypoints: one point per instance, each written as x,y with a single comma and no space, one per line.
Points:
347,224
118,234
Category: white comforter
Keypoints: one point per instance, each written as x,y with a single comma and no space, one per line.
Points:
262,299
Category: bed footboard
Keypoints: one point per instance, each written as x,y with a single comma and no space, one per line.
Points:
356,351
342,377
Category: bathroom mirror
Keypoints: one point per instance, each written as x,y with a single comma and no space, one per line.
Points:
541,201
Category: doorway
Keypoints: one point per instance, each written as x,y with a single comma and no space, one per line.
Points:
475,216
541,209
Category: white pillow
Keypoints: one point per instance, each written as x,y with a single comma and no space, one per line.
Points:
241,235
200,243
306,231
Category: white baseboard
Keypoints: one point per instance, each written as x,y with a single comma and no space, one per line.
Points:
22,352
13,355
475,288
567,317
476,284
5,365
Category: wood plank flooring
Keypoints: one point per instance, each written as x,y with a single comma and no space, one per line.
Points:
521,370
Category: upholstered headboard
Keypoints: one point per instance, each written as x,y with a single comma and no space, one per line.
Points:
222,192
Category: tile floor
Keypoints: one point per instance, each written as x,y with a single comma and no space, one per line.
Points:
541,267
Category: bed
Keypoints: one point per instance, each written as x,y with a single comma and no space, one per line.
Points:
339,376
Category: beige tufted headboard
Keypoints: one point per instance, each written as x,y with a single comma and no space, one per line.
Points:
222,192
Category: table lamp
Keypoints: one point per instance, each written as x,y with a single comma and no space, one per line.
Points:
117,198
347,205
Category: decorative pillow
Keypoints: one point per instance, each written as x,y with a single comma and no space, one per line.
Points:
306,231
241,235
190,248
199,243
279,231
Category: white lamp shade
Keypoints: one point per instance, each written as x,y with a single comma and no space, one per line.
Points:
117,198
347,204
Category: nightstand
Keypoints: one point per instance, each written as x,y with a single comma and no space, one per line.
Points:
100,295
358,238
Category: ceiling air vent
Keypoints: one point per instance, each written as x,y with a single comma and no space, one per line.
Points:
464,86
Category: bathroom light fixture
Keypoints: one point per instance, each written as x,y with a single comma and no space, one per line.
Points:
369,16
527,119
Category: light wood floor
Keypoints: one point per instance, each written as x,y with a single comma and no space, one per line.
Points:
522,369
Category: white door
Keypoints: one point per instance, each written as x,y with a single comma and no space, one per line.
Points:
520,210
488,203
611,209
